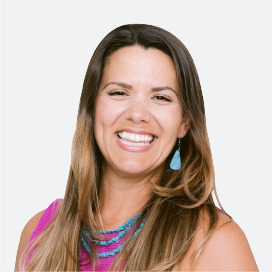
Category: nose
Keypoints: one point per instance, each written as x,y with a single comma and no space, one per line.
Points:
138,111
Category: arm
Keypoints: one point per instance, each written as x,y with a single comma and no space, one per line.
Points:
25,236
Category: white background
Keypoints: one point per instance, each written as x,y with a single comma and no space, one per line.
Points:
46,48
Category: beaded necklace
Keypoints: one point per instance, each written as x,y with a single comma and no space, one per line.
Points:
123,229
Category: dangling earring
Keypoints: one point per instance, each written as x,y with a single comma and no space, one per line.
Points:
176,161
93,153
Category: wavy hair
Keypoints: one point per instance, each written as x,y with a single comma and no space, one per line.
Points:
178,197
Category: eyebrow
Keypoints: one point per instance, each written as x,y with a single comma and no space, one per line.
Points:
158,89
120,84
127,86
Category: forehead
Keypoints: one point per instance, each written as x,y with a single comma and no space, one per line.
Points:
138,64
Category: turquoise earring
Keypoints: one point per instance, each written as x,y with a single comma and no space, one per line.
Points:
176,161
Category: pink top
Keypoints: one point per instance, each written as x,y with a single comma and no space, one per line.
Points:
102,264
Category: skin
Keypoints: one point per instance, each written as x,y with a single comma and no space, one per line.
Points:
226,250
25,236
127,175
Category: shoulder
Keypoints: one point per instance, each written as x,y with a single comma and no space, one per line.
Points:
226,250
25,236
32,225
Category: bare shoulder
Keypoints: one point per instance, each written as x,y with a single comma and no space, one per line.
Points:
25,236
226,250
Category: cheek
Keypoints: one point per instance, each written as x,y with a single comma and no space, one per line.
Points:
107,113
169,119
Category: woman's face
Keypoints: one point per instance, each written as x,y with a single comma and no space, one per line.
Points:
138,112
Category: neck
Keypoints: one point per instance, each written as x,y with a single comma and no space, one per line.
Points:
122,197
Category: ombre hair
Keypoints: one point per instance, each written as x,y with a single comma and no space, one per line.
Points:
178,198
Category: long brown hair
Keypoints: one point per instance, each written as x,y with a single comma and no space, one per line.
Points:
178,197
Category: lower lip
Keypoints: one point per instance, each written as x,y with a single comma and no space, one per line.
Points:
143,148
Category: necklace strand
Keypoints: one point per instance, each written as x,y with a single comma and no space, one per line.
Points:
124,228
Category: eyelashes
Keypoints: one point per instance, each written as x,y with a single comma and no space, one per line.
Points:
162,98
159,98
117,93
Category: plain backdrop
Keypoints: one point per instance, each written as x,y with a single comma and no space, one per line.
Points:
46,48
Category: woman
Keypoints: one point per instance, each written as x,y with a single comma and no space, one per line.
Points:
139,192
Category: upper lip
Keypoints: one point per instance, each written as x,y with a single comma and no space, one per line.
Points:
136,131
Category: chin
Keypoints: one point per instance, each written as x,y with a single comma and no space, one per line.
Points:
133,168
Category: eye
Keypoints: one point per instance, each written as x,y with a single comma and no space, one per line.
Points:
117,93
162,98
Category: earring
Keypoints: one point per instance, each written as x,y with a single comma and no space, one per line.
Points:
176,161
93,152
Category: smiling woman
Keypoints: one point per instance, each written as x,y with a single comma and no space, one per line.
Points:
139,192
140,115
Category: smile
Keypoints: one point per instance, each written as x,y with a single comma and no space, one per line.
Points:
133,139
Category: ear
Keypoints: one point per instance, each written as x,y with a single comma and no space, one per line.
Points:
184,127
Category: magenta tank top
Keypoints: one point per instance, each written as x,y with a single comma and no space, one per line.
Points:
102,264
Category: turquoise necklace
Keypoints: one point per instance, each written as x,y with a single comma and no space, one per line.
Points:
123,229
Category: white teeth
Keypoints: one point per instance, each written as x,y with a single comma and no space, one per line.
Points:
135,137
133,144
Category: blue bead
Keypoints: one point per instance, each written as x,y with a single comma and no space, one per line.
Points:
106,244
